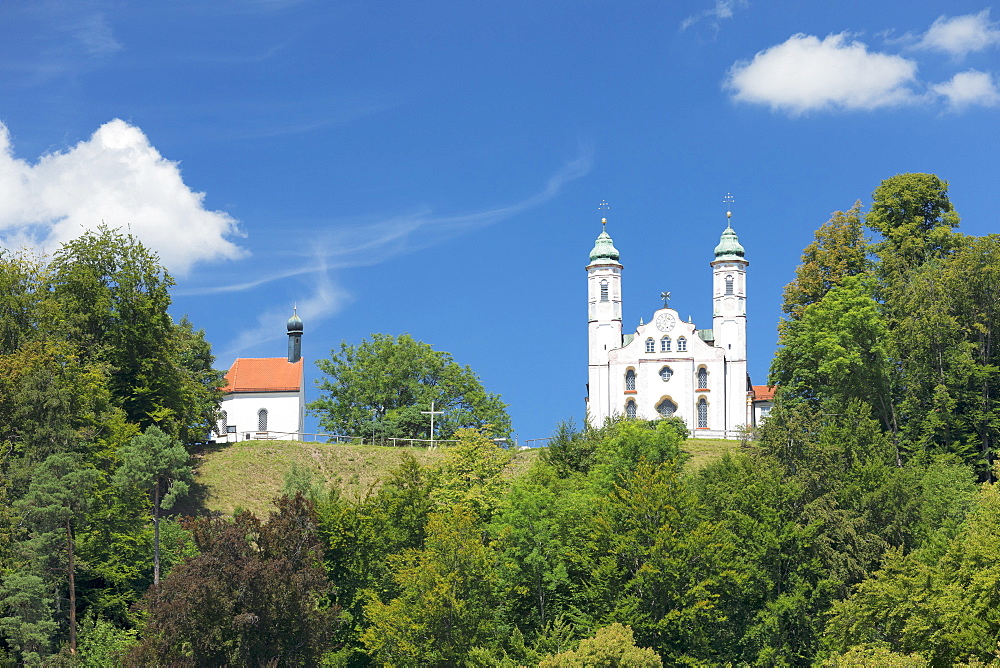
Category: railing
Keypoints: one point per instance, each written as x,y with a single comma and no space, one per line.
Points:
339,439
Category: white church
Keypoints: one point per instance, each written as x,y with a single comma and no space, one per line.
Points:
670,367
265,396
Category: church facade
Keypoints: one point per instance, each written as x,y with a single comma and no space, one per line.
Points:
669,367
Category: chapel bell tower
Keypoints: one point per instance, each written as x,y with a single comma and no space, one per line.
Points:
604,316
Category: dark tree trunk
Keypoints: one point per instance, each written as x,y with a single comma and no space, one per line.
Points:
156,532
72,589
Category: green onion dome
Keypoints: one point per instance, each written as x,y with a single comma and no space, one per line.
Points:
729,247
604,248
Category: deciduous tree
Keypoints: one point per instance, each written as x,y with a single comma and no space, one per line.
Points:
380,387
256,595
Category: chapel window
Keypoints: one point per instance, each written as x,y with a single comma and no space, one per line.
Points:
702,414
702,378
604,291
666,408
665,344
665,373
223,424
630,409
650,345
630,380
729,285
682,344
262,419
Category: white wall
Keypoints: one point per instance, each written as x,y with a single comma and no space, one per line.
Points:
285,411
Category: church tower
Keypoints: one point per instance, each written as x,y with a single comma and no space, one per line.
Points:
294,328
729,320
604,316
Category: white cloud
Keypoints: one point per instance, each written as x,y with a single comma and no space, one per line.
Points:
969,88
116,177
805,73
961,35
723,9
359,243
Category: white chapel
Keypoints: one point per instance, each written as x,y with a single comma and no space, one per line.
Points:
265,396
670,367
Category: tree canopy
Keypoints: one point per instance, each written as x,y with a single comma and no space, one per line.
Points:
379,388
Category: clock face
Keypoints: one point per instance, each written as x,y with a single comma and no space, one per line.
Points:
665,322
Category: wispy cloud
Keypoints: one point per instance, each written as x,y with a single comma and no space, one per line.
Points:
94,34
961,35
66,38
324,298
356,245
723,9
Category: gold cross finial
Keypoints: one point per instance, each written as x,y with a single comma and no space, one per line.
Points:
604,206
728,201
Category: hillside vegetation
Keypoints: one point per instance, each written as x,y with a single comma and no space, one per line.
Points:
250,474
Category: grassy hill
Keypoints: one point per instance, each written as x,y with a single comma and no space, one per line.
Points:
250,474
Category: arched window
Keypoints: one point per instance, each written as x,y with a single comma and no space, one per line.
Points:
702,413
702,378
666,408
262,419
630,409
223,424
665,344
630,380
682,344
665,373
650,345
604,291
729,285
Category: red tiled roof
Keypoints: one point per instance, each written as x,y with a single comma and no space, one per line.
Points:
763,392
264,374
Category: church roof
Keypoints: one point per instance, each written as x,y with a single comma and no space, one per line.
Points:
264,374
729,247
763,392
604,248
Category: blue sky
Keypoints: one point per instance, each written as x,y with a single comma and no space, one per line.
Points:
435,168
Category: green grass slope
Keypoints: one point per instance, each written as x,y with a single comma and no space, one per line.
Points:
250,474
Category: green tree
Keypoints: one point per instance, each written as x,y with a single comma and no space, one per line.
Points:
381,386
114,295
56,505
446,605
659,566
540,532
362,536
472,474
838,349
838,251
159,465
949,360
612,646
943,607
26,604
915,218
